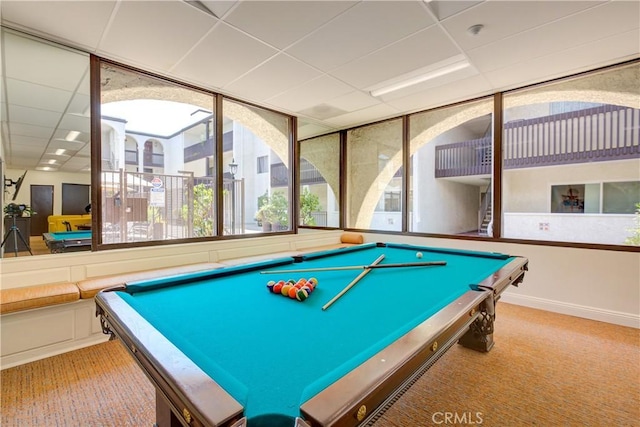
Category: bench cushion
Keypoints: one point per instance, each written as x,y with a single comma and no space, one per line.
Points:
90,287
352,238
17,299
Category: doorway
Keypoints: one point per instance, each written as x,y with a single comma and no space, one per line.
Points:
75,198
42,204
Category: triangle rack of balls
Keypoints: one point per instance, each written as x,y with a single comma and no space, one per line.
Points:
299,290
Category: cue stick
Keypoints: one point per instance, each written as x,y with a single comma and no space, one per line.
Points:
356,280
359,267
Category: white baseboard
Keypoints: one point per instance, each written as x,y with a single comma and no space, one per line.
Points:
35,334
41,353
609,316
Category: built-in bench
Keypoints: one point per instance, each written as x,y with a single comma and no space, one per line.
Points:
30,297
18,299
39,306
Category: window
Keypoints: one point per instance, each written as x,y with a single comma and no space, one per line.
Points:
263,164
374,158
451,169
620,197
165,130
320,181
258,137
578,137
568,198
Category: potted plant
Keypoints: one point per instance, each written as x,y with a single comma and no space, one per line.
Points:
273,213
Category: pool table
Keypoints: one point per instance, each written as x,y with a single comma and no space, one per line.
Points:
222,349
68,241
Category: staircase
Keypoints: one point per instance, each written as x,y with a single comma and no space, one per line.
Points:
485,213
486,219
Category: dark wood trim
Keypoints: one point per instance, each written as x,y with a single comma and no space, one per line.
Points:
406,172
218,135
342,202
96,149
294,175
496,202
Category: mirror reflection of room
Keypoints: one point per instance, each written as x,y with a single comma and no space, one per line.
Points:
46,144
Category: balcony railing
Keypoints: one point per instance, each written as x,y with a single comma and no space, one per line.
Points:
592,135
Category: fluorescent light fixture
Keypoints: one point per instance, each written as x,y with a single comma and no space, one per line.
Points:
414,80
72,135
51,162
60,152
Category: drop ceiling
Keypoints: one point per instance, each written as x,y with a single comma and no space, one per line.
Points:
317,60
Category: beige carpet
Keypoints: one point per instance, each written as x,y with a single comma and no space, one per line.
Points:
545,370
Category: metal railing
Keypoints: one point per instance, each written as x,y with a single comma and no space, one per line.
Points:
596,134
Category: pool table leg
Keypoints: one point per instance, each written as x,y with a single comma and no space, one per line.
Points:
479,337
164,415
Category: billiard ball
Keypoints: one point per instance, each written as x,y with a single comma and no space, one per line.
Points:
292,292
302,294
419,255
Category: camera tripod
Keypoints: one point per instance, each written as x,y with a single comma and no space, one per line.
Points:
16,234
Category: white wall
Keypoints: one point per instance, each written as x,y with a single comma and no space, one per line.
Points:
607,229
56,179
594,284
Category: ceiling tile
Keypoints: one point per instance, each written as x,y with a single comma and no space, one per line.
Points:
432,43
281,23
277,75
82,22
352,101
219,7
24,161
601,53
20,93
585,27
505,18
221,57
26,115
366,115
361,30
307,129
443,9
156,33
76,123
314,92
80,105
458,91
18,130
29,136
24,59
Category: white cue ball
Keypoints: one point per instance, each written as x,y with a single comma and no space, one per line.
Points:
419,255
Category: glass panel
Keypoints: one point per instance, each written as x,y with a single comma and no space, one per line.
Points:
45,135
451,169
374,174
157,164
574,142
255,202
320,181
620,197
